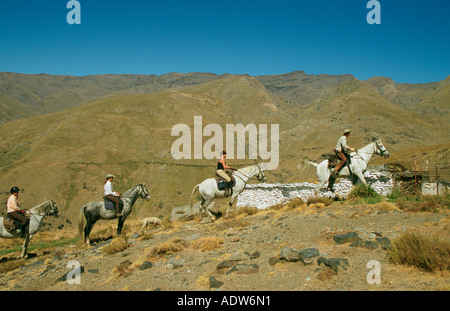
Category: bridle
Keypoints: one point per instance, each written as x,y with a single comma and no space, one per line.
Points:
52,204
381,154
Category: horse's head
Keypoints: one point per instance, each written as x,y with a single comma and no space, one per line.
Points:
261,176
53,209
380,149
143,192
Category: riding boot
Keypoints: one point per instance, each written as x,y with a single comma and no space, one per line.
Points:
118,213
24,231
227,188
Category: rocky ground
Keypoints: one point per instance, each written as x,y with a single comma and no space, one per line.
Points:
309,248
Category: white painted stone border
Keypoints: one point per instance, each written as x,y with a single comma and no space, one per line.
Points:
264,195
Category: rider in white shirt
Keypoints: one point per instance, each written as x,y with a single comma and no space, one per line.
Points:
111,195
342,149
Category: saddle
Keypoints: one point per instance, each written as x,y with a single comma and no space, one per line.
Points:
222,184
11,224
333,160
111,206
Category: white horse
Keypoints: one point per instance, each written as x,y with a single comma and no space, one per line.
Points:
358,165
208,188
37,213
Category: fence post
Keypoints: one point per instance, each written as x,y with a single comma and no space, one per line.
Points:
415,178
437,182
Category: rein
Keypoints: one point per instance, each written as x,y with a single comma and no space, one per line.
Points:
36,214
376,146
248,178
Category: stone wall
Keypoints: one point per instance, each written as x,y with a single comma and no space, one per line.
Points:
429,188
264,195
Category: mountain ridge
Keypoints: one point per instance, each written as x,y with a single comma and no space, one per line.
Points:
64,155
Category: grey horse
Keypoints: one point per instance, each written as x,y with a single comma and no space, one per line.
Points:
37,213
93,211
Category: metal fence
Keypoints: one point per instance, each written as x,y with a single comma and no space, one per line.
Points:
434,177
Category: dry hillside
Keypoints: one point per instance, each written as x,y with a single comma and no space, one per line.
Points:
122,124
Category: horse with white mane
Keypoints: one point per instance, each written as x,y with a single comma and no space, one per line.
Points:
37,213
208,189
93,211
356,169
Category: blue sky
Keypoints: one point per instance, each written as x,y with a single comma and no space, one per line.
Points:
255,37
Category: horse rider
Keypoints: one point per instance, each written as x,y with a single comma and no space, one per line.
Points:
111,195
342,151
222,166
14,211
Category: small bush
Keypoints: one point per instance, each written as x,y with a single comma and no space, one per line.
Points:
323,200
175,245
117,245
363,192
423,203
425,252
11,265
247,210
385,206
146,236
208,243
102,235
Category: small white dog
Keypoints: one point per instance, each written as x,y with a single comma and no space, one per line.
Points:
155,221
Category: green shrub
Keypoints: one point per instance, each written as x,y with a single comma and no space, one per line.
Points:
364,194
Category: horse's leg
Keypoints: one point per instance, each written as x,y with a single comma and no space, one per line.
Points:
120,225
87,230
331,182
323,174
361,177
319,186
201,209
205,206
230,204
25,247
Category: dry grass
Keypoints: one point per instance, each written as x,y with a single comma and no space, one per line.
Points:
424,203
232,223
208,243
428,253
146,236
242,211
11,265
320,200
294,204
383,206
117,245
173,246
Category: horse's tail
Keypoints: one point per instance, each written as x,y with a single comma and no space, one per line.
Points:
191,201
81,223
